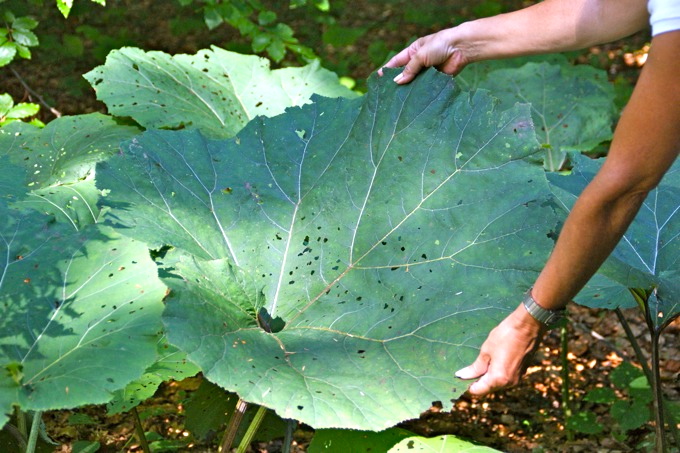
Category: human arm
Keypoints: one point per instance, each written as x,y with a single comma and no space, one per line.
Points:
645,145
549,26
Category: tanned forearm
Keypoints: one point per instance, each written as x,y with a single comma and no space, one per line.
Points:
645,145
551,26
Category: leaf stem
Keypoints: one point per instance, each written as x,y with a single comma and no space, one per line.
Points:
648,372
661,446
139,430
232,428
252,429
288,439
35,429
21,422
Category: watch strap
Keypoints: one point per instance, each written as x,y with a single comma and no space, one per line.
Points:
549,318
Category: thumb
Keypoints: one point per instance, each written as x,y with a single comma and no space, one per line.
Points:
478,368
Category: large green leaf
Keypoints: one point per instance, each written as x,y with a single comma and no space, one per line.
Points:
350,255
215,90
648,255
80,312
60,161
572,106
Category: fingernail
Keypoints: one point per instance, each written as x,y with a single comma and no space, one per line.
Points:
399,77
462,373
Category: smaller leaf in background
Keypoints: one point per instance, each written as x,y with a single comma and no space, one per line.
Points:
25,38
601,395
572,106
69,340
170,364
631,414
210,407
584,422
7,52
60,161
85,446
353,441
439,444
65,6
624,374
79,418
6,104
215,90
648,254
22,110
24,23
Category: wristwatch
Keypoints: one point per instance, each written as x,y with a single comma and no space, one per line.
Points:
549,318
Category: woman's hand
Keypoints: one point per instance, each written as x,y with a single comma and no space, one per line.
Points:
505,353
436,50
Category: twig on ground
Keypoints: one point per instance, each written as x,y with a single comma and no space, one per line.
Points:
54,111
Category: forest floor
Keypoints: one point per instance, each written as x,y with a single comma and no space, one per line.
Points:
526,418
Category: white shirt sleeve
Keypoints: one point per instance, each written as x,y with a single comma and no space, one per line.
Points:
664,15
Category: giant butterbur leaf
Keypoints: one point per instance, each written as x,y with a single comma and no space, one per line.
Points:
75,306
215,90
60,161
648,255
342,260
572,106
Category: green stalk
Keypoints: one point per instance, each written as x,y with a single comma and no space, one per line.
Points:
648,372
634,343
139,430
21,421
288,439
252,429
641,297
232,428
661,446
35,429
566,400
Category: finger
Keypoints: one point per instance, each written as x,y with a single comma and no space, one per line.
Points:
477,369
410,71
400,59
483,386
